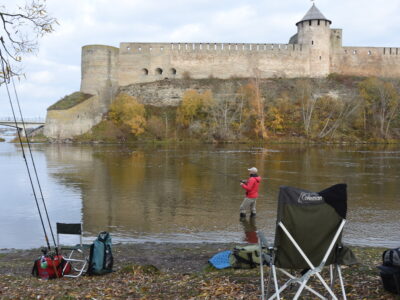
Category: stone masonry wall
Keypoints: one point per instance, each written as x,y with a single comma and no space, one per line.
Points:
366,61
66,123
99,67
149,62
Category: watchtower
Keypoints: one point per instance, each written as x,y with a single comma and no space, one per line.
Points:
314,33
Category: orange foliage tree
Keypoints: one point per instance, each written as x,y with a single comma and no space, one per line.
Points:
126,110
193,107
255,107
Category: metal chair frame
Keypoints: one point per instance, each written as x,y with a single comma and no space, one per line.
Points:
302,281
77,250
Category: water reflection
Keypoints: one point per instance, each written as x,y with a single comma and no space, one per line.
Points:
191,193
250,230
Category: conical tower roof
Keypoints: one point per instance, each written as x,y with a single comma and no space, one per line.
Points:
313,14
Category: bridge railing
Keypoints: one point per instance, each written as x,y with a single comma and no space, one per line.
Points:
26,120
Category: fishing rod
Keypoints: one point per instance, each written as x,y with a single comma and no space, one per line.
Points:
6,74
33,164
214,170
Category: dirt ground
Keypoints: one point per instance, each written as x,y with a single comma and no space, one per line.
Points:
167,257
171,271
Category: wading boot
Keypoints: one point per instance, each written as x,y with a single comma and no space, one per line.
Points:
252,215
242,216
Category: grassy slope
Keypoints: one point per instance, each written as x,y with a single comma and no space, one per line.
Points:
70,101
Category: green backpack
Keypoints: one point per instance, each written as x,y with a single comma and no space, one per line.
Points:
245,257
101,259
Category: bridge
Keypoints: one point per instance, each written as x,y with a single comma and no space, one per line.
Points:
31,124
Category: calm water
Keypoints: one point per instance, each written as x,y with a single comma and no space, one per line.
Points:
192,193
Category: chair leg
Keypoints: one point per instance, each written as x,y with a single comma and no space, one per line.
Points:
326,286
341,281
275,282
262,279
269,282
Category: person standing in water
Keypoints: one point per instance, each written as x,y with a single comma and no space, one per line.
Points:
251,187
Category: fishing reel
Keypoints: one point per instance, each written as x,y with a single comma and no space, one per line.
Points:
243,181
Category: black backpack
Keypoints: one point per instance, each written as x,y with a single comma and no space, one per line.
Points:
101,259
391,257
390,270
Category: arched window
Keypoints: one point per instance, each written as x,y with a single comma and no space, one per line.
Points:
159,71
145,71
173,71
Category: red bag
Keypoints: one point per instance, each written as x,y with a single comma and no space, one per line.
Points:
50,266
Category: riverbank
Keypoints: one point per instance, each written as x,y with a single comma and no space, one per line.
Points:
168,271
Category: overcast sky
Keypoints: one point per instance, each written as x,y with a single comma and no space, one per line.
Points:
55,70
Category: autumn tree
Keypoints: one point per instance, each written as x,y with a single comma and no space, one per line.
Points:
281,115
251,93
21,29
193,107
126,110
381,103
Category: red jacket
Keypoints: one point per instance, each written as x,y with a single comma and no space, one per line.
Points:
251,187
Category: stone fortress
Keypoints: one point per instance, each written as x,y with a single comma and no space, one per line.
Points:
316,50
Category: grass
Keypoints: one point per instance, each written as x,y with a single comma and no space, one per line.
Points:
69,101
39,138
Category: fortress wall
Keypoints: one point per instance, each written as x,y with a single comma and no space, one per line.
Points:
149,62
366,61
98,67
66,123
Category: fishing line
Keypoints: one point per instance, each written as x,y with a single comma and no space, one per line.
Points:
33,163
6,81
214,170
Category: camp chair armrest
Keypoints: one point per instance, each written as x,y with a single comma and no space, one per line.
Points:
76,247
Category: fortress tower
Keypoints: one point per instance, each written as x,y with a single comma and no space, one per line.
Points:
314,31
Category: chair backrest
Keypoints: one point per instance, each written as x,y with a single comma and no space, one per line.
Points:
313,220
69,228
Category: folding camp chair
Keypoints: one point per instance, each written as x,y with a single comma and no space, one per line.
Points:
77,255
308,237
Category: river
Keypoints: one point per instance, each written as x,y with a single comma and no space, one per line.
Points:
191,193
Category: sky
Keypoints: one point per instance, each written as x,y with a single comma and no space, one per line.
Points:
54,71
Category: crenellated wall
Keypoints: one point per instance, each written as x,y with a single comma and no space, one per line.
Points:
366,61
146,62
319,54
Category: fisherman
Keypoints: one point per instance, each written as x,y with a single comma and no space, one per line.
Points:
251,187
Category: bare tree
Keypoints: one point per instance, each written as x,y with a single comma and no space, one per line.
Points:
223,114
307,101
339,112
383,102
21,28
